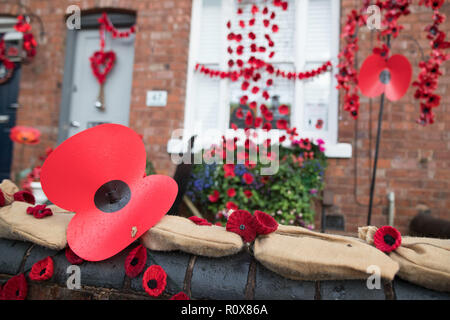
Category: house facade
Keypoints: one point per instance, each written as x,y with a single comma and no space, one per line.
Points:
154,89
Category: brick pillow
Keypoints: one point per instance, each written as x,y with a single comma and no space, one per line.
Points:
50,232
177,233
300,254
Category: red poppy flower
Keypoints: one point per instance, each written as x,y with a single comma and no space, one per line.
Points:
255,90
267,126
114,203
265,224
239,113
245,85
214,197
275,28
390,76
252,36
248,178
40,211
248,194
24,196
243,100
249,119
253,105
387,239
268,116
282,124
154,280
240,50
229,170
135,261
252,21
200,221
231,205
15,288
231,192
242,24
180,296
283,109
72,257
242,223
2,199
25,135
42,270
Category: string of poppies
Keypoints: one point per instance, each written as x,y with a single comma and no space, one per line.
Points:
428,78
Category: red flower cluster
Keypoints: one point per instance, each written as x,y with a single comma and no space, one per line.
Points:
101,64
39,211
248,226
106,24
42,270
29,43
9,65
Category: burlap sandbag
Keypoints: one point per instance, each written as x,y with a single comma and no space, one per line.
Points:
423,261
300,254
177,233
50,232
8,188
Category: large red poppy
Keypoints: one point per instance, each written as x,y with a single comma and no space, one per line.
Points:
25,135
98,174
391,76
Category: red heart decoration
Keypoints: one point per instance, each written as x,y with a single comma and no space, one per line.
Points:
98,174
102,63
391,76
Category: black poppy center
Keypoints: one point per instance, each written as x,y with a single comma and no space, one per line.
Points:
134,262
388,239
385,77
152,284
112,196
42,272
242,227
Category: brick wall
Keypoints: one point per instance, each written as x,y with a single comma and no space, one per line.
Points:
413,160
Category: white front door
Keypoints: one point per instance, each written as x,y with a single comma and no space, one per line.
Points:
117,89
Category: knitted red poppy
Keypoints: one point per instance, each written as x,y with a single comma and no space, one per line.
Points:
72,257
242,223
200,221
154,280
135,261
39,211
15,289
42,270
2,199
387,239
180,296
265,224
24,196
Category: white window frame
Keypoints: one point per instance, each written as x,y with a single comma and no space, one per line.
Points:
333,148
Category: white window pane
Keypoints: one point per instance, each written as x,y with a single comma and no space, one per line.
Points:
318,33
206,101
210,37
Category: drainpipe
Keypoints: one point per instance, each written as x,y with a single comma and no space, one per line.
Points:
391,216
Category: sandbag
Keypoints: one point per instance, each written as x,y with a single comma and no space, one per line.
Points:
178,233
300,254
8,188
423,261
49,232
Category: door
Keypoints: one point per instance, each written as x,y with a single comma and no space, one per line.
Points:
9,93
83,112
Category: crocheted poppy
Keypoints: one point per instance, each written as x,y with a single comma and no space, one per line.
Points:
200,221
72,257
114,203
42,270
180,296
242,223
154,280
2,199
15,289
135,261
40,211
265,224
387,239
24,196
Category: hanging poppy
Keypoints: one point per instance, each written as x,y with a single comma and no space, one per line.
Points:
245,85
15,288
40,211
242,223
283,109
135,261
387,239
24,196
180,296
42,270
72,257
391,76
200,221
265,224
154,280
25,135
116,204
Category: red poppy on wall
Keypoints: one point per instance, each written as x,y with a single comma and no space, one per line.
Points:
25,135
391,76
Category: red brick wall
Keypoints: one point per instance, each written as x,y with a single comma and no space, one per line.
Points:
414,161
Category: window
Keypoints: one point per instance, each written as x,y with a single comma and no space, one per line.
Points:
308,37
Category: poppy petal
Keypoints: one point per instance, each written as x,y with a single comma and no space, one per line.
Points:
199,221
42,270
265,224
24,196
15,288
154,280
369,76
401,74
180,296
72,257
135,261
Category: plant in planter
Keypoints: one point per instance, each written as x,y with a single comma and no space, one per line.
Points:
32,181
288,195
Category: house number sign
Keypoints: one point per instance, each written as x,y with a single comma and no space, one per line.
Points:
156,98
